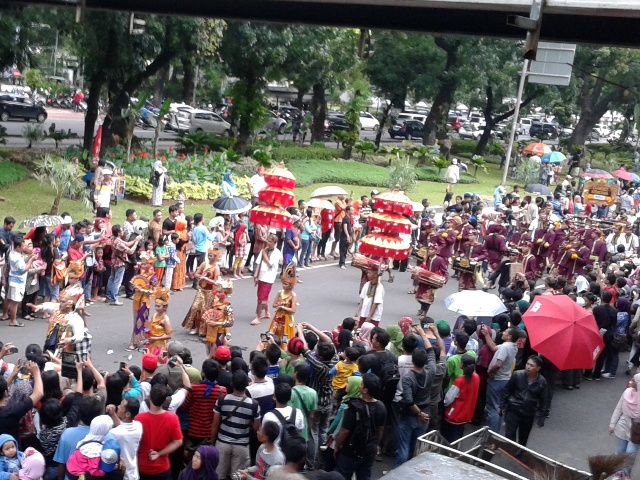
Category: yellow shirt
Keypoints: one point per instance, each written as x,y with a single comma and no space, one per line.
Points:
343,372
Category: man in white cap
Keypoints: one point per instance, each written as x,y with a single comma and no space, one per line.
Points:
102,194
65,233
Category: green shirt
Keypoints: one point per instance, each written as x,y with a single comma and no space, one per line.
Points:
161,251
306,399
454,365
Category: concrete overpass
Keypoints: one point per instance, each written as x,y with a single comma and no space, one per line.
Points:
597,22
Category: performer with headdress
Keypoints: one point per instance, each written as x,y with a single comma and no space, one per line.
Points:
180,271
158,330
75,273
218,319
285,305
472,255
426,290
207,275
143,287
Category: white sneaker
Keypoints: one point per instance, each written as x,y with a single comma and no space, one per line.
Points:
608,375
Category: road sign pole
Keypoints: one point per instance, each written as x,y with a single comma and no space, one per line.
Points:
516,113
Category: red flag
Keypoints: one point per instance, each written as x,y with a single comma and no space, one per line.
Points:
96,146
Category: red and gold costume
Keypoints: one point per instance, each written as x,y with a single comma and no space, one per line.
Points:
159,326
282,322
208,274
218,319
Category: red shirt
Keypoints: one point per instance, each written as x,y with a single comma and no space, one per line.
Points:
326,217
74,254
157,431
464,406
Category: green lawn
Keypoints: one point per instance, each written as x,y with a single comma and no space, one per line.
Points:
27,198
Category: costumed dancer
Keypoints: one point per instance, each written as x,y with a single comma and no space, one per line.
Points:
496,246
426,292
180,272
158,330
207,275
219,319
285,305
474,253
143,287
75,273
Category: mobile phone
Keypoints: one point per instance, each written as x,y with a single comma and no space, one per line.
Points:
123,365
13,350
84,357
228,337
165,354
285,338
264,337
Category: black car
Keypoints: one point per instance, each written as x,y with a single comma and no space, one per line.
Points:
543,130
20,107
335,123
408,129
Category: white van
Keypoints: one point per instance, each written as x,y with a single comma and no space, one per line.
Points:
525,125
411,116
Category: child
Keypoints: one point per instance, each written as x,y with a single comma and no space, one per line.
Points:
33,465
162,252
10,458
172,260
343,370
241,238
86,458
219,318
180,198
98,274
269,454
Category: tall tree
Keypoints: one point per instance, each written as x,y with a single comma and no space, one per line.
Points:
254,53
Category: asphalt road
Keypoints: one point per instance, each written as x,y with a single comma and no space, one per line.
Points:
576,428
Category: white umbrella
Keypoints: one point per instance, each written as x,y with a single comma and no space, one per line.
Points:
475,303
329,191
42,221
320,203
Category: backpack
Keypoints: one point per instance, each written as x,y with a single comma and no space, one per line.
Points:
289,432
389,377
358,442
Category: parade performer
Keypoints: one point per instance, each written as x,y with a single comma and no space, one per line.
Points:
370,306
598,248
207,275
568,249
158,330
426,290
496,246
445,238
521,237
180,272
472,254
75,273
218,319
462,231
580,258
285,305
528,261
543,238
143,287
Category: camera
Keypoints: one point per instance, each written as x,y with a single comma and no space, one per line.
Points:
13,350
172,362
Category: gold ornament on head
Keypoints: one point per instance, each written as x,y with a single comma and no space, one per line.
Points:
289,276
75,269
161,295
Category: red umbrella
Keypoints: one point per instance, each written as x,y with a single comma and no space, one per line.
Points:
537,149
596,173
270,216
385,246
281,197
280,176
563,332
622,174
389,222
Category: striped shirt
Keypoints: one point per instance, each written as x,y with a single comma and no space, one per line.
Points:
322,379
235,427
200,408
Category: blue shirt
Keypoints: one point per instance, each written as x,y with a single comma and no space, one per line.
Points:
65,239
199,237
68,442
287,249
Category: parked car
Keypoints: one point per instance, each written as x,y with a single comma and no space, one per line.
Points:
525,125
12,106
603,130
206,121
543,130
470,131
333,123
288,112
180,121
275,123
368,121
411,116
408,129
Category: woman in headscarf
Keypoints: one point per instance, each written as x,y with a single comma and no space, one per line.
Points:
229,186
203,465
353,391
86,459
395,345
159,174
364,336
627,411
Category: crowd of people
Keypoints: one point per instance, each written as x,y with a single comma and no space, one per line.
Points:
305,398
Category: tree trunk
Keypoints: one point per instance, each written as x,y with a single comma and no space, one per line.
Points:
251,96
299,96
188,86
91,116
55,207
161,82
383,121
319,110
448,85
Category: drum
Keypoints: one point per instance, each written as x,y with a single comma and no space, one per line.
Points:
465,265
428,278
365,263
420,253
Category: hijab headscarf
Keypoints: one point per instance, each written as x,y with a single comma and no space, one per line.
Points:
20,390
523,305
631,399
209,458
92,447
365,334
395,346
227,178
623,304
353,388
238,363
405,325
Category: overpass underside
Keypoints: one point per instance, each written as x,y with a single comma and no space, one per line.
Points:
597,22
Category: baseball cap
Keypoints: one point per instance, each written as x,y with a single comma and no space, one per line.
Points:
149,362
78,238
67,220
110,455
223,353
175,348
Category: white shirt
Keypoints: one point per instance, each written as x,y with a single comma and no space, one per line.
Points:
378,298
256,183
582,285
268,274
286,413
128,436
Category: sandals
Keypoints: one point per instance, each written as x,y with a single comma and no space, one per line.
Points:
28,317
411,292
391,279
16,324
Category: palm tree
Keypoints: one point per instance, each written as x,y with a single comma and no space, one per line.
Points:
61,175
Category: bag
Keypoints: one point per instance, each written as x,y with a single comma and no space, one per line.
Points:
635,433
289,433
58,273
389,376
357,445
619,342
153,180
